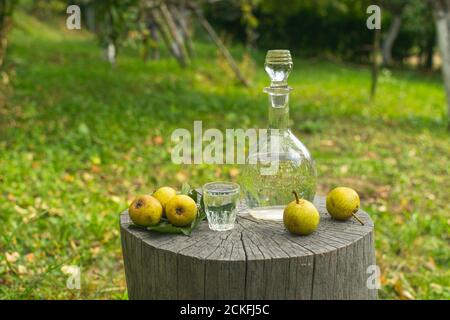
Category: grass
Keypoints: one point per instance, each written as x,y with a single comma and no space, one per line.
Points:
79,139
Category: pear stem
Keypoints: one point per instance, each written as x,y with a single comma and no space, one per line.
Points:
356,217
297,200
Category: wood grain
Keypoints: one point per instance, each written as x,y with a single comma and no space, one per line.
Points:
256,260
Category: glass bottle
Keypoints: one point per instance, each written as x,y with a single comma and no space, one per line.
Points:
282,163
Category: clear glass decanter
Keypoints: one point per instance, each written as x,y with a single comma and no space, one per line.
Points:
282,163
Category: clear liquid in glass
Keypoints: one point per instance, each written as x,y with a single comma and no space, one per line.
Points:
267,192
267,195
220,201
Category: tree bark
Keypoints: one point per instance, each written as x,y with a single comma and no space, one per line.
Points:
375,65
4,29
429,53
184,29
90,17
154,40
223,49
6,9
110,53
442,17
165,34
391,36
168,18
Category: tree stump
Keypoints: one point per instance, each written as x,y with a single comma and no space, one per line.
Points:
256,260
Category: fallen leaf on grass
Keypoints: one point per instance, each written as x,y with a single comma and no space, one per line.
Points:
383,279
95,169
343,169
69,270
148,141
405,204
56,212
158,140
30,257
68,178
181,176
35,165
87,177
383,191
436,288
430,196
73,245
327,143
20,210
402,288
398,220
22,270
430,264
234,172
95,251
12,257
372,155
116,199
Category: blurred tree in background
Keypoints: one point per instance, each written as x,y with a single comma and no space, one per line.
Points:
333,28
327,28
420,25
396,8
441,9
114,18
6,11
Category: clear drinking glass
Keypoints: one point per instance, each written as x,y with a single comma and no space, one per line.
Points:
220,199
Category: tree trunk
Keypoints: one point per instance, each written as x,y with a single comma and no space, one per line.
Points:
110,53
375,65
90,17
442,17
4,29
223,49
169,20
256,260
184,30
6,9
153,27
429,53
145,47
388,43
165,34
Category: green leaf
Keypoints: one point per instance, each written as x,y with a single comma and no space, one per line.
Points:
197,197
194,195
165,227
185,189
201,215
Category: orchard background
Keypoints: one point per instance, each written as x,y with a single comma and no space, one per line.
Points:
80,136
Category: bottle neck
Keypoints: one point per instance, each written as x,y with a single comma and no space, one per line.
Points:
279,111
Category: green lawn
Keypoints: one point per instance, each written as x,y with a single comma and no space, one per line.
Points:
79,139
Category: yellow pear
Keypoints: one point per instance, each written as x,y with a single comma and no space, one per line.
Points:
301,216
145,211
343,203
181,210
164,194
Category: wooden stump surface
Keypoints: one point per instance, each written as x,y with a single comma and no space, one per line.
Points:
256,260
